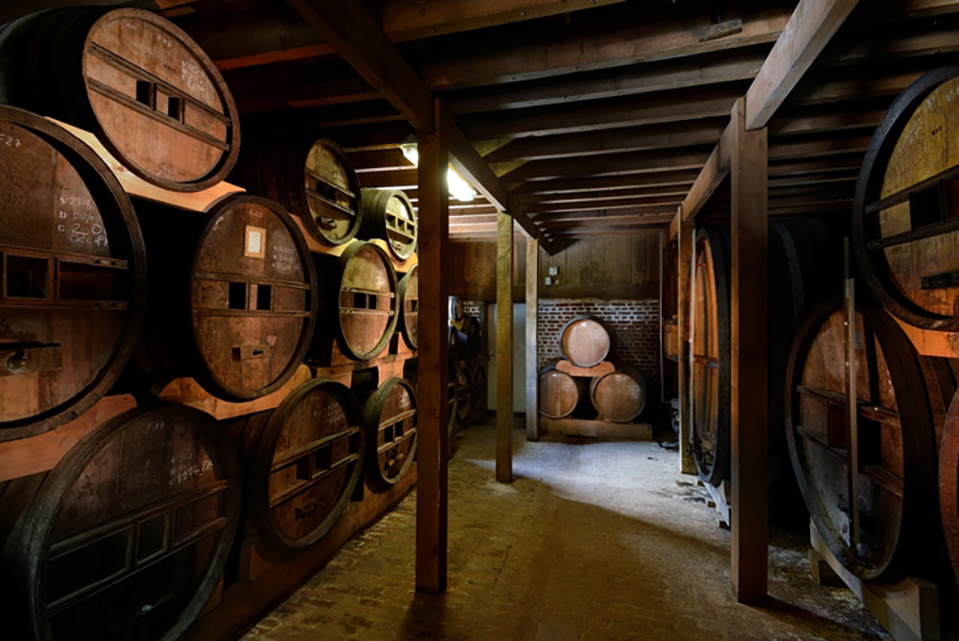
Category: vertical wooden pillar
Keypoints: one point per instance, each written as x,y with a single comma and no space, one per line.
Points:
504,348
532,316
484,340
748,350
685,269
433,396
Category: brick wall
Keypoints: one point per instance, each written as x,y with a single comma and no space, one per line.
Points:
633,326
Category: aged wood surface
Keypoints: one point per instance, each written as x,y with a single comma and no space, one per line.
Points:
504,349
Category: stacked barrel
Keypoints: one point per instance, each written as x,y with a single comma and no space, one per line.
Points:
104,295
468,367
585,384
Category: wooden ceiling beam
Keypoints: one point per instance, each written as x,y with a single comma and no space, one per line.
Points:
545,212
611,165
578,185
602,196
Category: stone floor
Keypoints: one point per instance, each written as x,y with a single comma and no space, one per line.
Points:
592,540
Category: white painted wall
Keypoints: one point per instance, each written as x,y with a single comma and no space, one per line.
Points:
519,358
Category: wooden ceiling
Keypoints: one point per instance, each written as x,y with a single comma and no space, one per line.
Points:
596,115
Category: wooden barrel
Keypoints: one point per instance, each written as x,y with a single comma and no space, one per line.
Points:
949,482
313,180
478,393
232,296
464,392
451,419
454,353
391,419
72,276
360,302
302,462
455,308
389,214
138,82
559,394
129,533
899,531
904,217
584,341
619,396
469,339
409,289
670,301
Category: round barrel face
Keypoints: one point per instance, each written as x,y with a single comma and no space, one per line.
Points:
306,464
895,437
400,222
70,260
136,522
410,292
368,302
618,397
391,414
558,394
949,482
469,339
162,107
252,299
332,193
464,390
455,308
585,342
478,395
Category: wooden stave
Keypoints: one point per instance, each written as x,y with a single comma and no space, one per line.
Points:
874,271
469,340
258,441
169,346
919,529
478,395
66,32
632,373
409,328
26,546
329,328
373,224
563,339
275,171
949,483
579,384
464,386
372,412
102,184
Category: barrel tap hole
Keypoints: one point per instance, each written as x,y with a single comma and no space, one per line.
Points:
27,277
373,302
237,296
324,458
388,435
359,300
264,297
175,108
146,93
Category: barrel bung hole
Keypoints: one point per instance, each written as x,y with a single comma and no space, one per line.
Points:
388,434
146,93
324,458
264,297
237,296
27,277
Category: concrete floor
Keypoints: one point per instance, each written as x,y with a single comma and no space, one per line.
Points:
592,540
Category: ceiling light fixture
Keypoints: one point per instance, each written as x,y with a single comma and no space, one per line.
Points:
458,188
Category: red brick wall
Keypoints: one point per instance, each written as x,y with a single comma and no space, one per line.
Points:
633,327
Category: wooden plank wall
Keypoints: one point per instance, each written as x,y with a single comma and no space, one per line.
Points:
606,268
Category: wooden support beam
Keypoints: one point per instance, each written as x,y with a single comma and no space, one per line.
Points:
685,229
748,412
432,490
532,320
598,198
712,175
504,348
578,185
808,31
611,165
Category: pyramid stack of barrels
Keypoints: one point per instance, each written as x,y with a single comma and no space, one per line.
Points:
584,384
234,374
468,367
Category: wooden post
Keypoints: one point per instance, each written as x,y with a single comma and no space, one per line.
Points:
532,315
504,348
685,269
748,351
432,480
484,344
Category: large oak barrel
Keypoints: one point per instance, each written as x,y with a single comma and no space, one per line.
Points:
391,418
584,341
129,533
454,353
360,302
138,82
389,214
619,396
455,308
409,289
905,228
558,393
479,391
302,462
464,392
232,296
469,339
313,180
899,529
72,276
949,477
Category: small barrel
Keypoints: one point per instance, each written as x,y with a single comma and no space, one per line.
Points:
478,392
72,276
302,462
469,340
129,534
559,394
455,308
138,82
584,341
619,396
389,214
907,199
232,296
391,419
313,180
360,303
464,392
899,524
409,288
